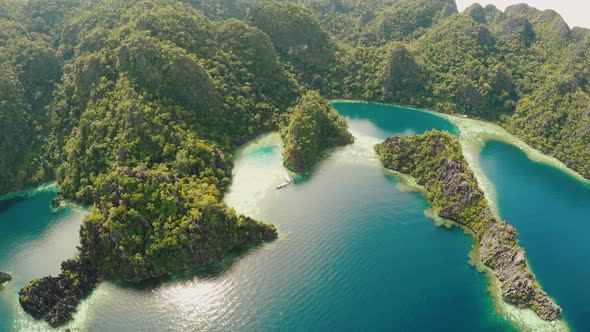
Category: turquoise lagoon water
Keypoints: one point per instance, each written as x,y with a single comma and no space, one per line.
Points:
382,121
355,252
551,211
33,241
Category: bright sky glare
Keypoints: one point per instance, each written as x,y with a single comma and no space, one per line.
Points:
575,12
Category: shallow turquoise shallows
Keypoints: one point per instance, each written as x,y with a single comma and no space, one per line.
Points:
33,243
551,211
354,252
383,121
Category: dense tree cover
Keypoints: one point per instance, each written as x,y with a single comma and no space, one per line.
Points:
124,128
223,9
406,20
523,68
404,77
482,62
150,223
313,127
436,161
29,71
299,38
467,79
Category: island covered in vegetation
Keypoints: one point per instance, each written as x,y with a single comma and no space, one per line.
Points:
314,126
435,160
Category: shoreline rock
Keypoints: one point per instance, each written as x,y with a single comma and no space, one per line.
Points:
4,278
55,299
436,161
56,202
500,252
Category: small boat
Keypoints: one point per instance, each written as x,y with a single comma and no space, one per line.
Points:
284,184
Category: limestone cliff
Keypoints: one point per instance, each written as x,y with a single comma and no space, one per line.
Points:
436,161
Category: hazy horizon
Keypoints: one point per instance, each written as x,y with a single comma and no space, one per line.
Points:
574,12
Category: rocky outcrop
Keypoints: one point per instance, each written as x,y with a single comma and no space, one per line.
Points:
56,202
436,161
55,299
183,79
499,251
403,76
4,278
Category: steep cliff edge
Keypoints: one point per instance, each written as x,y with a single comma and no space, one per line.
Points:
435,160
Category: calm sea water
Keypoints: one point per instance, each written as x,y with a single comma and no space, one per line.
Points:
354,252
552,214
33,243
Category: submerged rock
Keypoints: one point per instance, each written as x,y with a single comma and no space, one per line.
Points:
4,277
56,202
436,161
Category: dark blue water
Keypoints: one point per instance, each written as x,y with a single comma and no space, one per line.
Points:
551,211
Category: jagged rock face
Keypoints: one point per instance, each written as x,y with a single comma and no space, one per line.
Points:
298,37
182,79
477,13
516,31
436,161
4,277
403,76
500,252
407,19
291,27
55,299
456,182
